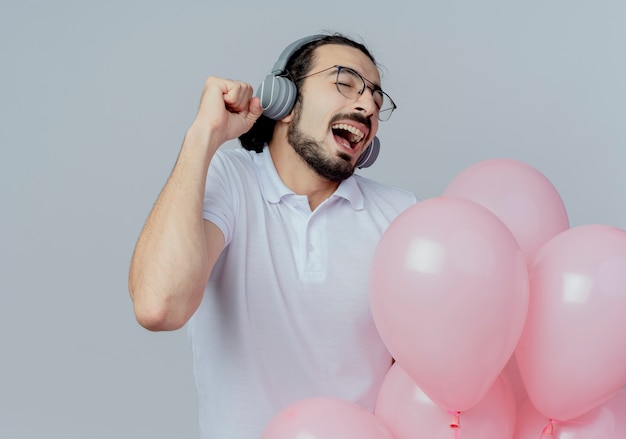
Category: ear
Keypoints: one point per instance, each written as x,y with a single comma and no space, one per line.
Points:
288,118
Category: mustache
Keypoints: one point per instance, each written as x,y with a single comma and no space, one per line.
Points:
356,117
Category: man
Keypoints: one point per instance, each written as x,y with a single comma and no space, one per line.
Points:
265,251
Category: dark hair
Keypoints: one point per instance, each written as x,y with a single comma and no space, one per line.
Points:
298,66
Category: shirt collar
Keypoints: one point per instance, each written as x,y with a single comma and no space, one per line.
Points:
273,188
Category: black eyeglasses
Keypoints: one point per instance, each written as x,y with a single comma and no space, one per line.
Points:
351,85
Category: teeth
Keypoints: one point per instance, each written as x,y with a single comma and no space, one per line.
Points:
357,134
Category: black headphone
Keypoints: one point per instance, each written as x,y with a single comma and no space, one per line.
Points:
278,94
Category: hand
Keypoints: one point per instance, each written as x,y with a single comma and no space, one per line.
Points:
227,109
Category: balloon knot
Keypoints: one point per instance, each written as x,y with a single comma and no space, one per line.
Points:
455,424
548,429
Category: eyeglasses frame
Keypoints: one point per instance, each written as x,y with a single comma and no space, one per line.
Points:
374,88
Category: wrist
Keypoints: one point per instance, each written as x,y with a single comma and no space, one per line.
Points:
199,136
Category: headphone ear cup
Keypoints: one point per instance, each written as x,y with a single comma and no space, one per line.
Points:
277,95
370,154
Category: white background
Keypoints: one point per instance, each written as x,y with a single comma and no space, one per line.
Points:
95,100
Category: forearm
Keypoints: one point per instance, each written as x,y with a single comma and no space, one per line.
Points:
171,263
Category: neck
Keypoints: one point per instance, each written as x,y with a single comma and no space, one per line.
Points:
298,176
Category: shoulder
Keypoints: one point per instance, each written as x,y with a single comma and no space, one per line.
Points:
228,164
233,157
377,191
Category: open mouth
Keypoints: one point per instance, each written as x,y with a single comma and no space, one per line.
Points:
347,135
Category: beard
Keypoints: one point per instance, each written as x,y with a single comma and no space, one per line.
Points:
312,152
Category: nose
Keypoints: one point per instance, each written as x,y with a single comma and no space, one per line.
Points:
365,103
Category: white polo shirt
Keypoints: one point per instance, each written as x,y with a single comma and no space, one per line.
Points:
285,315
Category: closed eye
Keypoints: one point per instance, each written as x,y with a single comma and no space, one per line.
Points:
343,84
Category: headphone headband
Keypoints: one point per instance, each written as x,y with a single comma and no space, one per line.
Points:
283,59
